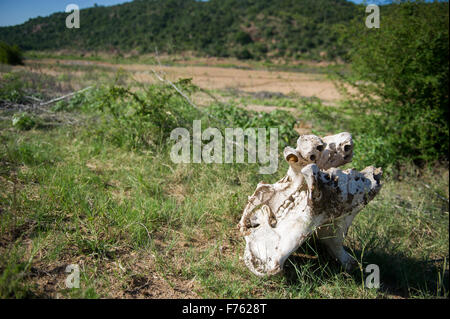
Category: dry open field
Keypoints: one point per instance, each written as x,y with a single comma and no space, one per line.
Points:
212,77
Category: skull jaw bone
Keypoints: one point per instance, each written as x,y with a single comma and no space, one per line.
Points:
326,202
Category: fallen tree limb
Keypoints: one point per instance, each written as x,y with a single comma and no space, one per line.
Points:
9,104
176,89
33,98
64,96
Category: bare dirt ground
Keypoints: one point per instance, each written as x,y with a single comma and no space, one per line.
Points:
223,78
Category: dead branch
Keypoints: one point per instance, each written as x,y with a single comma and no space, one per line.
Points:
64,96
33,98
160,78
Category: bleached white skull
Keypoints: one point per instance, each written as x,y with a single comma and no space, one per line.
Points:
314,196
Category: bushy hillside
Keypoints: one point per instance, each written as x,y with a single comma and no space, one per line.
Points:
240,28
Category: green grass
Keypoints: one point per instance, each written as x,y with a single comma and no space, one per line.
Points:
139,225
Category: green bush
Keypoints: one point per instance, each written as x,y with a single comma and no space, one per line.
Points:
243,38
401,73
234,116
144,119
11,87
135,120
10,54
24,121
18,85
243,54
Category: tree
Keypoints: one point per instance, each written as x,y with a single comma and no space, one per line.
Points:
10,54
400,71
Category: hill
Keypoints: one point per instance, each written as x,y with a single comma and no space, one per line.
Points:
239,28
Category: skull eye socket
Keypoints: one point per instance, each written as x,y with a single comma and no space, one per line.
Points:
347,148
312,157
292,158
319,148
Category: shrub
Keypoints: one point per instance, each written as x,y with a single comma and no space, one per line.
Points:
401,71
10,54
243,54
135,120
11,87
243,38
234,116
24,121
144,119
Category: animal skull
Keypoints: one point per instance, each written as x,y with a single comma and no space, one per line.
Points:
314,196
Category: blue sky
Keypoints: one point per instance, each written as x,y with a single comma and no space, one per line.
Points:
14,12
